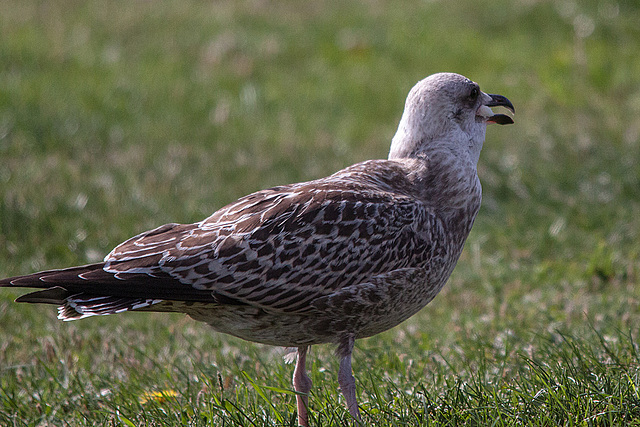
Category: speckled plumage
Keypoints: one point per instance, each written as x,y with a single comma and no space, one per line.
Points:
326,261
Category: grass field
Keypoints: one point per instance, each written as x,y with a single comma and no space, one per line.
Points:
116,117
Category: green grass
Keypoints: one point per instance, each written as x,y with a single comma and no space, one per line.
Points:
121,116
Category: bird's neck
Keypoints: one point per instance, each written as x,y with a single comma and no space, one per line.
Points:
444,177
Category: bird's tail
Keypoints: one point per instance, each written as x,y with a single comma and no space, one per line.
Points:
55,284
89,290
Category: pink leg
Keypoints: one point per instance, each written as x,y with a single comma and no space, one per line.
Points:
347,381
302,384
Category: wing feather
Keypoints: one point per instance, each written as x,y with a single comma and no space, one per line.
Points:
281,248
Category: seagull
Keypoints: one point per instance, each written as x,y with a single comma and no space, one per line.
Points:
326,261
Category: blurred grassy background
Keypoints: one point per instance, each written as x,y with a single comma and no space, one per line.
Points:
121,116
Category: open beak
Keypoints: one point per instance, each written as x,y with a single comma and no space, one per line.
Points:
496,101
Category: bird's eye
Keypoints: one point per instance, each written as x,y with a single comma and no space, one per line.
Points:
474,93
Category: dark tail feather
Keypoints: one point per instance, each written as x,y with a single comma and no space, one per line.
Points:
47,279
55,295
92,279
89,290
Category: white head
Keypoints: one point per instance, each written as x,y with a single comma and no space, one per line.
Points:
446,108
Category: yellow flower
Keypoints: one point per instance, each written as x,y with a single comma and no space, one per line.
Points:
157,396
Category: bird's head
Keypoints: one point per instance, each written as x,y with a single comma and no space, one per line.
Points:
446,108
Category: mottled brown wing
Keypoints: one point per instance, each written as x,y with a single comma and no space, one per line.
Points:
279,249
